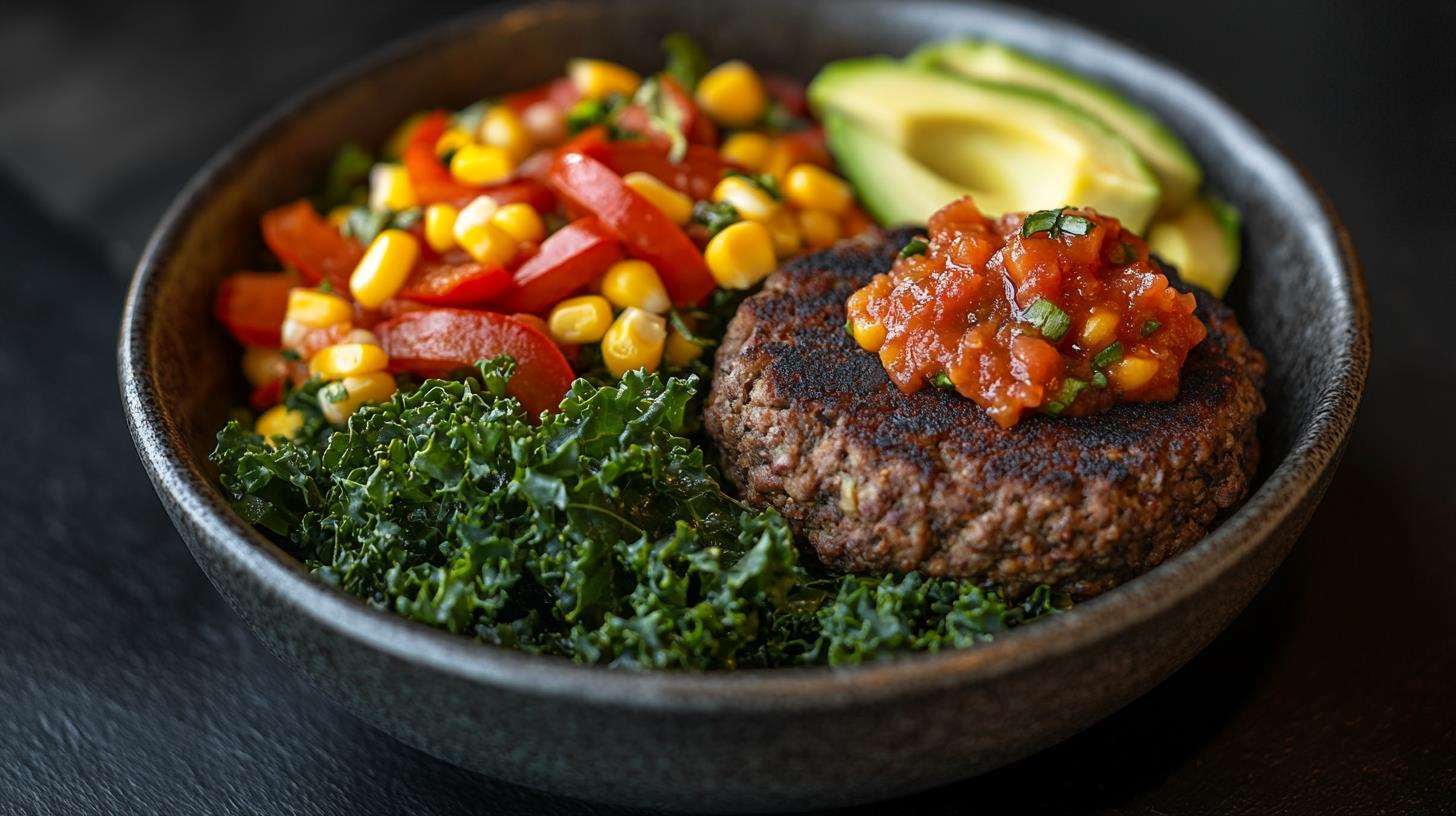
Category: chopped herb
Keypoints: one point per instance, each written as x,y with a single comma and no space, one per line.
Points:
589,112
686,61
1048,318
1074,225
664,116
290,355
468,118
364,224
763,181
1150,327
1108,356
347,179
333,392
681,326
1123,254
915,246
715,216
942,380
1066,395
1054,223
1099,379
849,328
325,287
404,219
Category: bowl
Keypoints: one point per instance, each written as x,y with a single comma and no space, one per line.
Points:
751,740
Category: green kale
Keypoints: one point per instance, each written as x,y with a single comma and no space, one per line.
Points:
600,534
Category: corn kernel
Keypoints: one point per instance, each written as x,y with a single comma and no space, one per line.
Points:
635,340
741,255
750,200
869,334
1132,373
390,188
677,207
520,221
811,187
680,350
278,421
481,164
819,227
748,150
580,319
479,211
317,310
1098,328
338,215
384,268
732,94
489,244
501,127
440,226
263,365
599,79
635,283
452,140
784,229
338,401
348,359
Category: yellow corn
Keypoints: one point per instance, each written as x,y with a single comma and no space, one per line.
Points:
263,365
811,187
598,79
317,310
748,150
869,334
635,283
680,350
440,226
352,392
732,94
820,228
784,229
479,211
481,164
348,359
1132,373
384,268
520,221
677,207
278,421
1098,328
390,188
490,244
750,200
501,127
452,140
338,215
361,336
580,319
741,255
635,340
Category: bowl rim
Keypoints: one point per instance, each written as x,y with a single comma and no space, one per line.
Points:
194,498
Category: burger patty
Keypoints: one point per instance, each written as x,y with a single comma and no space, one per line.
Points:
876,480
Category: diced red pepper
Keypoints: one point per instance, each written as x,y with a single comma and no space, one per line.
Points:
266,395
301,238
432,342
591,187
443,283
567,260
699,171
252,305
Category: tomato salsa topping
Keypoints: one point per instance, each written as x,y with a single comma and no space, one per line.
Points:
1060,311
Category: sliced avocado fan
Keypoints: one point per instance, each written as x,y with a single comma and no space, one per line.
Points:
1202,241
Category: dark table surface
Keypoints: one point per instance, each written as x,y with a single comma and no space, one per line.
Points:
126,684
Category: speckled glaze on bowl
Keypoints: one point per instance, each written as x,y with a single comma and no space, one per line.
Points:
754,740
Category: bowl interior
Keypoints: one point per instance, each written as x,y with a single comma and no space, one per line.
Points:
1298,295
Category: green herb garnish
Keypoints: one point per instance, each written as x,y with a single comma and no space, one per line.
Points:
333,392
942,380
347,181
915,246
849,328
1054,223
715,216
763,181
1150,327
589,112
678,323
1048,318
686,61
469,117
1066,395
1108,356
664,116
1099,379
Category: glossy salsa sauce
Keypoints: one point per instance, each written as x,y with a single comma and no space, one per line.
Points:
1059,311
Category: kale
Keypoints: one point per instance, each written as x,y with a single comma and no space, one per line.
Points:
600,534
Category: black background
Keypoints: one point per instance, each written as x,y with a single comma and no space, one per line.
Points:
126,685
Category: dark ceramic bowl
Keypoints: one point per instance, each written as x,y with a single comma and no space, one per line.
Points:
779,739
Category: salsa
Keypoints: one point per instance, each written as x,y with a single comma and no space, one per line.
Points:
1060,311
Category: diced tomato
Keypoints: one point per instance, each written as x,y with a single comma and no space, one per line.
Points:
301,238
591,187
788,92
266,395
567,260
252,305
435,341
699,171
443,283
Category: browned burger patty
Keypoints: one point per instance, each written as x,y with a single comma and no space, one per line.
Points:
878,481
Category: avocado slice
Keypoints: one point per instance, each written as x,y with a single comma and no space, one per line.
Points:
1013,149
1202,241
1178,172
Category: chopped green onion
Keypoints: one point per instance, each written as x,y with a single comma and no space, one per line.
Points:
333,392
1150,327
1066,395
1099,380
1108,356
290,355
664,116
1054,223
716,217
588,112
1048,318
849,328
1074,224
915,246
676,319
404,219
468,118
942,380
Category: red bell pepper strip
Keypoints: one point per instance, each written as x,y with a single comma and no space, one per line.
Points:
432,342
568,259
560,93
252,305
433,183
590,186
699,171
442,283
301,238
